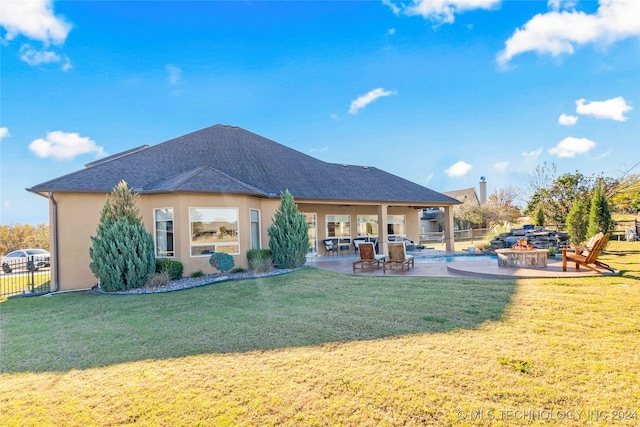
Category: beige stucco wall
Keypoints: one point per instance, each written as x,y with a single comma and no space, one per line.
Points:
79,215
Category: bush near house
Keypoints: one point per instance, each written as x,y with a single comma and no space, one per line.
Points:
221,261
260,260
172,267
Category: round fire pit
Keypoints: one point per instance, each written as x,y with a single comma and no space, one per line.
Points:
519,258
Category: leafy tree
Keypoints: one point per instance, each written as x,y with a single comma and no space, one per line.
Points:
578,222
600,213
122,253
18,236
557,195
501,206
288,234
470,212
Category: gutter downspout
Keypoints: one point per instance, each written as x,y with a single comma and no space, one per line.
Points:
54,235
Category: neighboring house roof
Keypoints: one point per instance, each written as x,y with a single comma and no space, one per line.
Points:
463,195
228,159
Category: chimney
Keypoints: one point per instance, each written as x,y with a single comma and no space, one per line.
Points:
483,190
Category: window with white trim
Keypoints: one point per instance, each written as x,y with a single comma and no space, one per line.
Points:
338,225
214,230
255,228
163,219
367,226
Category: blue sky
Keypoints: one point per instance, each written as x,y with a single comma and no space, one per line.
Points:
438,92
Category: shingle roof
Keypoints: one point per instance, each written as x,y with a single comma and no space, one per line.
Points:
229,159
464,194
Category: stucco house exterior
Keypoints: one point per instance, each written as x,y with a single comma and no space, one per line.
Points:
217,189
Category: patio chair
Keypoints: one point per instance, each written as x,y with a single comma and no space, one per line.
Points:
368,257
329,247
398,258
589,256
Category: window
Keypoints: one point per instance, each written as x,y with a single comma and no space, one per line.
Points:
396,225
164,232
255,229
338,225
367,225
214,230
313,234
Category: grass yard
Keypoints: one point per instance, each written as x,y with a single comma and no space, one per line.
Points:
318,348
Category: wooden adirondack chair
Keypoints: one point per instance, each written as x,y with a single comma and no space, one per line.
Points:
398,258
368,257
588,257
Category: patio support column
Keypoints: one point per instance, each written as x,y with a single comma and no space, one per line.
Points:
382,230
449,242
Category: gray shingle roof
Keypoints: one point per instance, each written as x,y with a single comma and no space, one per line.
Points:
229,159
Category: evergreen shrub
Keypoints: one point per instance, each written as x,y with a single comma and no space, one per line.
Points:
122,252
172,267
288,234
221,261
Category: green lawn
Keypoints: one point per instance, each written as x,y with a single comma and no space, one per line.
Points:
318,348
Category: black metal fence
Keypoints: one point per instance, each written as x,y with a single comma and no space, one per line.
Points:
25,276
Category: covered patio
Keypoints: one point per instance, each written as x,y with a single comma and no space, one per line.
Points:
477,266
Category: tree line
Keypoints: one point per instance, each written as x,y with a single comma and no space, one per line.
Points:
27,236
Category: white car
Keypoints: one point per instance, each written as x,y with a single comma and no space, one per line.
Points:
26,259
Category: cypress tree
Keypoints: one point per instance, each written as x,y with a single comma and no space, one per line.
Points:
122,252
539,216
577,222
288,234
600,213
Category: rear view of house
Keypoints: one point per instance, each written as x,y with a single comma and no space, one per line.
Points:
216,190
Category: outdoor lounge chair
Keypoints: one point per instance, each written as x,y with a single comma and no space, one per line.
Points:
368,257
397,258
589,256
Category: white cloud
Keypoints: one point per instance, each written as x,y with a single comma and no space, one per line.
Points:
558,32
534,153
440,11
561,4
368,98
4,132
567,120
501,166
458,169
613,109
391,31
570,147
33,19
64,146
605,154
428,178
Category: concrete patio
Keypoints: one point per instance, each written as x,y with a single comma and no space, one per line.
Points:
478,266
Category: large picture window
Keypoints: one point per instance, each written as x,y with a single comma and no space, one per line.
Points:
214,230
164,233
338,225
368,226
